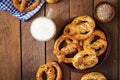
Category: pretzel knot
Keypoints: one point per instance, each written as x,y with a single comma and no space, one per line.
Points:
23,6
85,59
62,52
52,71
93,76
96,42
81,27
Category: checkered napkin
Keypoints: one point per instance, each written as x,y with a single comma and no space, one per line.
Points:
6,5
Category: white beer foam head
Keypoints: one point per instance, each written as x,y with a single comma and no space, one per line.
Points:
43,29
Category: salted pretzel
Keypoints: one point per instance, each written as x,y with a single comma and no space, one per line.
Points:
50,69
85,59
81,27
96,42
71,47
93,76
22,5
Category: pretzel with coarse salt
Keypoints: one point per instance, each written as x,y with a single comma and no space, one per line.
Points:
71,47
81,27
22,5
52,70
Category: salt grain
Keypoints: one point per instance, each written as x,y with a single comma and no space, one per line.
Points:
104,11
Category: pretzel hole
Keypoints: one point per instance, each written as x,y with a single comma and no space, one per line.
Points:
96,50
62,44
68,30
70,40
44,76
80,22
86,55
71,55
95,39
19,2
84,32
29,2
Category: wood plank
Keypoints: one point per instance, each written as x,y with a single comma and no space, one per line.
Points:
77,8
119,37
81,7
33,51
10,67
59,12
110,67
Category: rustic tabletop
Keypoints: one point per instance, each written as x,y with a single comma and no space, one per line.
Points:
21,54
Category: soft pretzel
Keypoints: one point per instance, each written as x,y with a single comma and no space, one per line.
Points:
85,59
50,69
71,47
96,42
58,69
22,5
81,27
93,76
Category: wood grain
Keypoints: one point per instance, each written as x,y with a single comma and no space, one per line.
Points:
10,67
119,37
21,54
33,51
60,16
110,67
77,8
81,7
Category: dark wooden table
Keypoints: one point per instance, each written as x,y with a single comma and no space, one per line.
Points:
21,55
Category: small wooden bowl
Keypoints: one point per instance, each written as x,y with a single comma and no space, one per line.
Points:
107,20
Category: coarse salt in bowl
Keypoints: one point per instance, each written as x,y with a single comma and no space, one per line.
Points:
104,12
43,29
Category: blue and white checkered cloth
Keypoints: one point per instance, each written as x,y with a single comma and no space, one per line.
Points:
6,5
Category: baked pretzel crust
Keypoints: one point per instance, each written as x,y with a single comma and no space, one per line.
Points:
21,5
99,45
93,76
81,27
85,59
52,1
70,48
49,69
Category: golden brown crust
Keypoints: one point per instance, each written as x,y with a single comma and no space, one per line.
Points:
59,71
99,45
85,59
49,69
81,36
70,48
93,76
52,1
50,72
81,27
21,5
